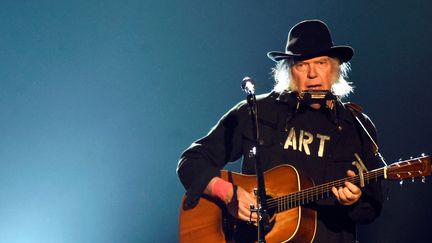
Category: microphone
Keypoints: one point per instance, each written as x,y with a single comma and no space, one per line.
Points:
248,85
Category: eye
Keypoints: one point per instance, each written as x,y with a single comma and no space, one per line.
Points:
301,66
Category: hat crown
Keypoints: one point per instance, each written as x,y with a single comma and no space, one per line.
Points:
310,36
308,39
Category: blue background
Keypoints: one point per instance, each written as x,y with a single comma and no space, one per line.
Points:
99,98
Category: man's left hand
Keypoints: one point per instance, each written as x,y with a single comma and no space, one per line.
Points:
349,194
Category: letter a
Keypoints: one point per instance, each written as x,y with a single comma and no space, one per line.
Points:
291,140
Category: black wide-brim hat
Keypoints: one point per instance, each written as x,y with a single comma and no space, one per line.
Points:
309,39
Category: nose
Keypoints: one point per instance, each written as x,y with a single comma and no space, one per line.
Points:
312,72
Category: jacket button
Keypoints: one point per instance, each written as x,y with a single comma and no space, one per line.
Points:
339,128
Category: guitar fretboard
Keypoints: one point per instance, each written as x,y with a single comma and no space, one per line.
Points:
312,194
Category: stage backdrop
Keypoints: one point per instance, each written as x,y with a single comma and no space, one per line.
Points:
99,98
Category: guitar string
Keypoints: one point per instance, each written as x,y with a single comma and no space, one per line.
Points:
315,191
312,194
293,200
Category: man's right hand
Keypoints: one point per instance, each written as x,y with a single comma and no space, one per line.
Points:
239,204
237,199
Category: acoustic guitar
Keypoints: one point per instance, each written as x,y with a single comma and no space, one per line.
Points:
287,193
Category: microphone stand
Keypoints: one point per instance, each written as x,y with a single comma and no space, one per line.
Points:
261,211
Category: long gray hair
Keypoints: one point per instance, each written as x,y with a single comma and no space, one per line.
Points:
340,87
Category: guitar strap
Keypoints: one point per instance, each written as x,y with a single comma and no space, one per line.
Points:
357,112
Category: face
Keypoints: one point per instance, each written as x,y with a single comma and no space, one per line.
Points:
317,73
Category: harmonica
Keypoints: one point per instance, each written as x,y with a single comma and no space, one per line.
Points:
315,95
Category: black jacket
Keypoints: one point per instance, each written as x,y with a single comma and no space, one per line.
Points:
319,143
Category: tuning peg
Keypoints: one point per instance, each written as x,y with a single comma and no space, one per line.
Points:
400,159
412,179
423,154
401,182
411,157
423,179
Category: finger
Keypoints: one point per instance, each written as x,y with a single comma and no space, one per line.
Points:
245,209
335,192
244,214
350,173
353,188
249,213
249,199
240,208
348,194
342,195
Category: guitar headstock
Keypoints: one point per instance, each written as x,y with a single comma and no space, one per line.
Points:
417,167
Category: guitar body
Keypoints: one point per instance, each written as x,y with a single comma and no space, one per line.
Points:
210,222
286,189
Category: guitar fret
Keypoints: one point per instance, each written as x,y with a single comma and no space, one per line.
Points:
280,204
291,201
315,193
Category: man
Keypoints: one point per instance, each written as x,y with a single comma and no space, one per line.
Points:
319,137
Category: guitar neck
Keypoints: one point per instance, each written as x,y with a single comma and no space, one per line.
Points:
322,191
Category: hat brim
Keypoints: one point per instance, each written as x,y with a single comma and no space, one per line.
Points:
344,53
